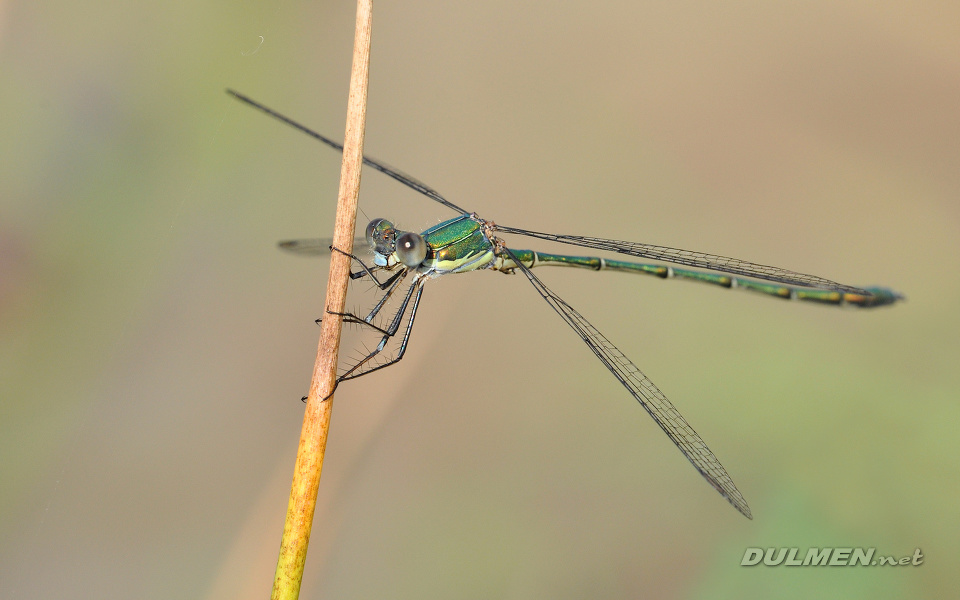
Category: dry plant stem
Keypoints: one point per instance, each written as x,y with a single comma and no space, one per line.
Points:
316,420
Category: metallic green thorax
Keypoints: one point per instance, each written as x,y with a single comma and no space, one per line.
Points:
461,245
457,246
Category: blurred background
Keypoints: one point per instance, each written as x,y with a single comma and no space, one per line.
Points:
154,343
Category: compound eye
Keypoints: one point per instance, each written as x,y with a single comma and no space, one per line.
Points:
411,249
379,232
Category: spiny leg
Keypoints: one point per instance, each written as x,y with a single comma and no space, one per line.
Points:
352,318
417,287
390,285
367,270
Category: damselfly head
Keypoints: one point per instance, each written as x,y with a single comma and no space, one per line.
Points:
382,237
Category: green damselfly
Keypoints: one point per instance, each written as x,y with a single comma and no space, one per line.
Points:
469,243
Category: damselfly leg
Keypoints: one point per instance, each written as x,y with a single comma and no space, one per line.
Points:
410,304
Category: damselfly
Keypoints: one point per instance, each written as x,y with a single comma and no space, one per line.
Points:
469,243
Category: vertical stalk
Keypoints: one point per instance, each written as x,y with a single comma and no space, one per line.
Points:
316,420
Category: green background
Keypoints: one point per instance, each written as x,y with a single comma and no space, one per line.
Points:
154,344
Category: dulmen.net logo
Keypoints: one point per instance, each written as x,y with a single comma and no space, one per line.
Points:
826,557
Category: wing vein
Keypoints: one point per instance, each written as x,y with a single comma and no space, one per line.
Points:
647,394
690,258
407,180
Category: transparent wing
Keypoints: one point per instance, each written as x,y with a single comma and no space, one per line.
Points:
407,180
316,246
683,257
647,394
714,262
